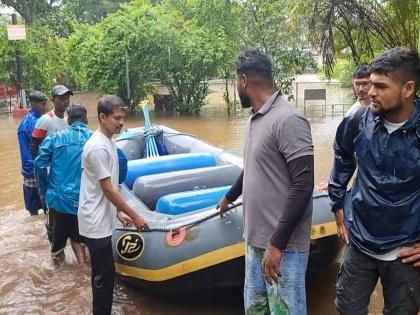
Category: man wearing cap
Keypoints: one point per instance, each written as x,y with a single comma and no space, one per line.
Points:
52,121
38,102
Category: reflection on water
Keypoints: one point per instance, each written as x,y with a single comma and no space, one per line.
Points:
31,284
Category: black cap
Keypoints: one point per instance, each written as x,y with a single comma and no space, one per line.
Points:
60,90
37,96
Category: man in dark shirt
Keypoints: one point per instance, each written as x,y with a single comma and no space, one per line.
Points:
277,188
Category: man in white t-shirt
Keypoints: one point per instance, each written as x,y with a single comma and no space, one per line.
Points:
100,202
52,121
361,87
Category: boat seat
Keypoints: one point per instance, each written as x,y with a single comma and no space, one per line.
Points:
183,202
150,188
167,163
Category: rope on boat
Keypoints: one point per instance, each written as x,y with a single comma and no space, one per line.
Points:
149,133
157,131
175,230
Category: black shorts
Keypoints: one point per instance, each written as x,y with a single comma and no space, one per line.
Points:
357,279
62,226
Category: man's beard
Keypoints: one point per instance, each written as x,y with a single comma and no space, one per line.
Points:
388,111
245,100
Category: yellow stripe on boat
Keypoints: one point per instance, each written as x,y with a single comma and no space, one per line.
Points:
197,263
208,259
323,230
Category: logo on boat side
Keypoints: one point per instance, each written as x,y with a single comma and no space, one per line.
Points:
130,246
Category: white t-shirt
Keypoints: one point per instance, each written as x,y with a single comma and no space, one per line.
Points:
353,108
391,127
49,123
390,256
96,213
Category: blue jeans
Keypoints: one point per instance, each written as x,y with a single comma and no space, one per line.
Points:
287,296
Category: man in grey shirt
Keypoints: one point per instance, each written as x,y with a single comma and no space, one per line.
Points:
277,184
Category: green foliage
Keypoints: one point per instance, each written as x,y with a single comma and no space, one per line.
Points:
7,62
343,71
215,22
97,55
160,44
267,24
31,10
41,54
92,11
181,43
365,27
42,58
220,16
84,11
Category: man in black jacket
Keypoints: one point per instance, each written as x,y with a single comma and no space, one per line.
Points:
379,218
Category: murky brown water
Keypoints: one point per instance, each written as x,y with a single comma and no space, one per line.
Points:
31,284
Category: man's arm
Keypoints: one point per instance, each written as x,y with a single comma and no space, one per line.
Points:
301,171
42,162
234,192
38,135
343,168
411,255
344,163
25,155
117,200
294,142
97,162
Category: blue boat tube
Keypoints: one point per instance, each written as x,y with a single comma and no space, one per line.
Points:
183,202
167,163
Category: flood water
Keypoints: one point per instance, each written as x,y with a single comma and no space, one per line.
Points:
31,284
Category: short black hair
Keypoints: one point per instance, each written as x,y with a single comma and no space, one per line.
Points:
76,112
403,64
256,63
37,96
361,71
108,103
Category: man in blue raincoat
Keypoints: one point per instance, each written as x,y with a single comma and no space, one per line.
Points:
60,187
379,219
38,102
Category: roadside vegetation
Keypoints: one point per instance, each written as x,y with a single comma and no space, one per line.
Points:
123,47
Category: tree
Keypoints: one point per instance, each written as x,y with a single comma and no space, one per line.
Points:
191,61
30,10
92,11
219,18
98,55
159,43
267,25
42,56
365,26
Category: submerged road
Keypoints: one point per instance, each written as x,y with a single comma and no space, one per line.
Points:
31,284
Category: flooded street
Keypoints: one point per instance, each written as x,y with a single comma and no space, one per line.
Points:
31,284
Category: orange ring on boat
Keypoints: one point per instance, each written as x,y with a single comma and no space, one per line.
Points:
175,239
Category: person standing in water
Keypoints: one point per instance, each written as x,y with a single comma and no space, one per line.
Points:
100,201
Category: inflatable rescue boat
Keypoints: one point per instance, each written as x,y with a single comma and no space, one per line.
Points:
189,247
